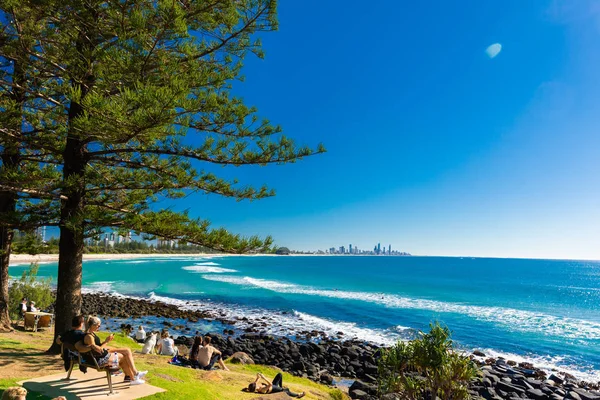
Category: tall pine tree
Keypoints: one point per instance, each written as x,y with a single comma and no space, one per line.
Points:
22,107
142,92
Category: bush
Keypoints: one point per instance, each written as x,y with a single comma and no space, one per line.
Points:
32,288
426,367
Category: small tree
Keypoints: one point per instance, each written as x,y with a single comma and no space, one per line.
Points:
31,288
426,368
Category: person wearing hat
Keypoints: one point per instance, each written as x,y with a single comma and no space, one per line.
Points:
31,307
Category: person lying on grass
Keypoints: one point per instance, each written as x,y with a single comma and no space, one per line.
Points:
270,387
106,355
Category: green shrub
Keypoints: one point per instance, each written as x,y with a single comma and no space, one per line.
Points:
426,367
32,288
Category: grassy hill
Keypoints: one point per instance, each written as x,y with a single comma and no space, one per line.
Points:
22,356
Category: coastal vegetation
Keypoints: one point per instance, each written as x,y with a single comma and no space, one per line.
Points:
32,288
426,368
113,106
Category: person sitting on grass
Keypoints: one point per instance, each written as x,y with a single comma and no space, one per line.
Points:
166,345
270,387
207,356
194,351
140,335
104,356
15,393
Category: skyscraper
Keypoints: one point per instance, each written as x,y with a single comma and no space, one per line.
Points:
350,246
390,250
378,248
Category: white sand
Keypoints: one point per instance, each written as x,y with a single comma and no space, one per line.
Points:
27,258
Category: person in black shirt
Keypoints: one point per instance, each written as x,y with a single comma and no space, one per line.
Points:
72,336
75,334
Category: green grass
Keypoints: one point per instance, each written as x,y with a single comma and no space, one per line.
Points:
187,383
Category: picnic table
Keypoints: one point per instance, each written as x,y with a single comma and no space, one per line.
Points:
37,320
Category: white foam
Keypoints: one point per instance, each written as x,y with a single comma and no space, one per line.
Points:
550,364
135,262
198,268
349,329
511,319
207,263
291,323
99,287
285,324
235,280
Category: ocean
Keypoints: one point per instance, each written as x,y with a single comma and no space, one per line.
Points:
543,311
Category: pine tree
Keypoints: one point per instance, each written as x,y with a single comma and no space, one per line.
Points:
141,101
19,167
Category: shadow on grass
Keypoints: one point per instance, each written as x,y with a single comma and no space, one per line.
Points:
34,360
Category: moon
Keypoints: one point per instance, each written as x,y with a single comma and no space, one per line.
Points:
493,50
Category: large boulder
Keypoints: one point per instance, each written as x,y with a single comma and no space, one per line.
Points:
241,358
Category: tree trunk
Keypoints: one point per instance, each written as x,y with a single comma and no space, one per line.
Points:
8,201
6,235
72,228
70,245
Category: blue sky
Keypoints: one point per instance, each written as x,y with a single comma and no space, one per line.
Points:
433,146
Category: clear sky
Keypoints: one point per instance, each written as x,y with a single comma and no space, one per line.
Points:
433,146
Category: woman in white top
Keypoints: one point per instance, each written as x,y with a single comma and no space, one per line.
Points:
140,335
166,345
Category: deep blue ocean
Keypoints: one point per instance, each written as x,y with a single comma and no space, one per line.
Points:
545,311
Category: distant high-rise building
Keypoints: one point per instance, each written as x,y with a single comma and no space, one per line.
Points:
342,250
378,248
390,250
350,247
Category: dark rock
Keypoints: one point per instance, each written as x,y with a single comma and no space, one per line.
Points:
298,366
326,378
508,388
536,394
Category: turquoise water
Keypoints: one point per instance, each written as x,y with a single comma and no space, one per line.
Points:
546,311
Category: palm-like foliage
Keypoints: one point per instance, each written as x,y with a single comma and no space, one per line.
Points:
426,367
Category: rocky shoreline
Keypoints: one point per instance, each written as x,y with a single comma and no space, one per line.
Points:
324,359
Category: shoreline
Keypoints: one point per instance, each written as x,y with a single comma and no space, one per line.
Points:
320,357
20,259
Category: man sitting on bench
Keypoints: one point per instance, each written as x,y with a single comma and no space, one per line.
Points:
72,336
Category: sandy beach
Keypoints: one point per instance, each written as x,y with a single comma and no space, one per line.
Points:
16,259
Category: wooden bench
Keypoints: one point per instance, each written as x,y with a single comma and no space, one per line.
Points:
79,349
